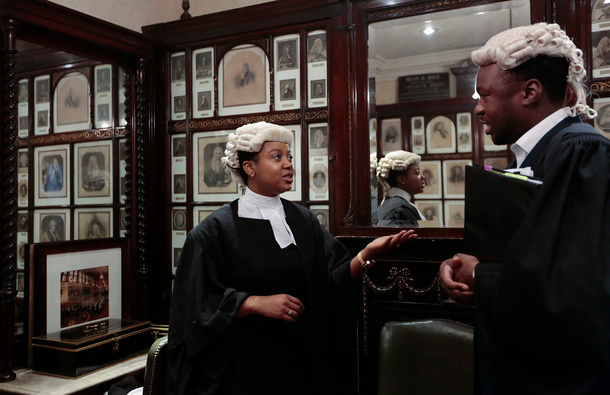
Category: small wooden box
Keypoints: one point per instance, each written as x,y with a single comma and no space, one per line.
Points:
84,349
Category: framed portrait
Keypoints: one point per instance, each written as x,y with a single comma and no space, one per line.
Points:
464,132
432,210
244,81
318,181
52,175
600,44
179,104
203,63
201,212
178,146
103,96
42,106
204,101
454,213
71,103
602,121
23,108
103,78
102,115
177,251
122,113
22,241
178,67
77,283
488,144
93,223
318,89
316,47
42,119
454,179
42,88
431,170
600,11
318,140
20,280
51,225
22,93
203,82
22,191
93,172
22,221
499,163
179,219
212,182
391,135
179,184
321,213
440,135
123,220
287,89
287,54
316,69
178,85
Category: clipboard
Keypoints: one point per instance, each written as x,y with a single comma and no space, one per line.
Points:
495,204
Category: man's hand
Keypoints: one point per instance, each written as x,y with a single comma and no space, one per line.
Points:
456,277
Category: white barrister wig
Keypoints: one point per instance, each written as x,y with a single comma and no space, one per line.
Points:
513,47
397,161
250,138
373,163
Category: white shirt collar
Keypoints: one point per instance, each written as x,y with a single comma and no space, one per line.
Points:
255,206
406,196
526,143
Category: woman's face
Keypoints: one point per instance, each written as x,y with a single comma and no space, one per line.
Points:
270,172
412,180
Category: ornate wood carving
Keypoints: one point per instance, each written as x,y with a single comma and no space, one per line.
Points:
141,171
87,135
417,8
602,87
127,132
8,289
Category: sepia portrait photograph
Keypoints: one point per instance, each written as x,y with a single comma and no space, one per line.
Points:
432,212
84,295
103,113
391,135
51,173
318,89
72,103
602,121
204,101
42,119
454,177
102,79
244,79
212,176
179,184
21,254
22,93
600,60
287,52
203,65
200,213
22,192
287,89
93,169
418,143
178,219
23,161
497,163
431,170
178,68
179,146
176,253
93,224
42,87
321,213
440,135
52,227
316,47
417,125
600,11
23,123
22,222
179,104
318,141
122,219
318,179
454,214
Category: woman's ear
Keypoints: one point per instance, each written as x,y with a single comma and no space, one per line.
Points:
249,168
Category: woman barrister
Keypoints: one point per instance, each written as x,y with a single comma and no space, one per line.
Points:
258,289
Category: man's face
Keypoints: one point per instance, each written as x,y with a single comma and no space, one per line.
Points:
52,226
499,105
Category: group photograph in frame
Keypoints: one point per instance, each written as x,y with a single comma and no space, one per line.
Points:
454,177
440,135
602,121
432,210
52,175
93,223
51,225
245,81
391,135
431,170
93,172
211,181
71,103
287,54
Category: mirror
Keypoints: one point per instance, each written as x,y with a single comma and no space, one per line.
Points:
421,86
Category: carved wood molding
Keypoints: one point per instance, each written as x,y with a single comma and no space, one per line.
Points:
410,9
235,122
141,171
600,87
67,137
127,132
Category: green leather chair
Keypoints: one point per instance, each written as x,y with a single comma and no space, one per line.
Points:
431,356
156,366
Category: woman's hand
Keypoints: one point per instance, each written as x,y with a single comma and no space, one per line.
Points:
280,306
387,243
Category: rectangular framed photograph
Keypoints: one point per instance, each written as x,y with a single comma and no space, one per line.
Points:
318,178
23,190
211,180
52,175
203,64
316,69
454,213
600,44
499,163
179,219
287,53
201,212
431,170
454,178
295,193
77,283
287,77
321,213
244,81
93,172
203,82
93,223
123,220
318,140
602,121
488,144
391,135
42,100
51,225
440,135
432,211
72,103
178,85
22,240
464,132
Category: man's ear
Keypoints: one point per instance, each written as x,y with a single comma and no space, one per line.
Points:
532,92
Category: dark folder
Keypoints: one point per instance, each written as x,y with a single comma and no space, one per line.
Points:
496,203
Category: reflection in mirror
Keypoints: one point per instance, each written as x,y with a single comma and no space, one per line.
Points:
422,97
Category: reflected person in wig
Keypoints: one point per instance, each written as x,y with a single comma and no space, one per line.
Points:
261,287
545,305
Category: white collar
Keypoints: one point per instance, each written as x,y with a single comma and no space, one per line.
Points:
255,206
526,143
406,196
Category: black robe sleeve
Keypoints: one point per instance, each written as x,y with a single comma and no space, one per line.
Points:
546,308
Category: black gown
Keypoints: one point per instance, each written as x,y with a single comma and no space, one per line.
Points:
396,211
543,314
224,260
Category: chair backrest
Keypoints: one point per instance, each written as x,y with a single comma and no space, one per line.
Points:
431,356
156,367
